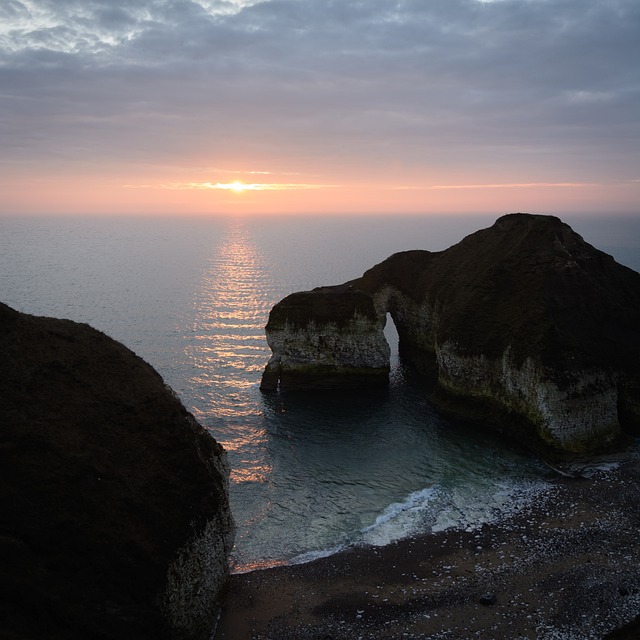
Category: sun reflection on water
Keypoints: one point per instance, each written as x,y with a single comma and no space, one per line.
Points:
227,342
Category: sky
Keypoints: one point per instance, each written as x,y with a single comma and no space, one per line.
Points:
319,106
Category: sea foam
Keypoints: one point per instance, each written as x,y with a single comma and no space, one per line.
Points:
435,509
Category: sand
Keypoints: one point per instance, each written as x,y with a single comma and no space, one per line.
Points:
565,567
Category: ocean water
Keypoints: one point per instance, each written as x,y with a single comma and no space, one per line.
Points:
311,473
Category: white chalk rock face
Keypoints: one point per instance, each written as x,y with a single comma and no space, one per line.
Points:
328,338
581,414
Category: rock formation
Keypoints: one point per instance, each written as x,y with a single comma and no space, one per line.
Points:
522,326
330,337
114,511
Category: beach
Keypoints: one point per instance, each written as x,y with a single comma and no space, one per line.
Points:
567,566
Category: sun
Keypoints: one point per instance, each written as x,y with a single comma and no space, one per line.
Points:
237,186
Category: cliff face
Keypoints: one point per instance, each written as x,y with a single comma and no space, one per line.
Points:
114,514
523,326
330,337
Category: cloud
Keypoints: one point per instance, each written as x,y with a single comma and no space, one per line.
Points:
516,185
543,89
521,185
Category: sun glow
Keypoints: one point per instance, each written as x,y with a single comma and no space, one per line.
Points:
238,187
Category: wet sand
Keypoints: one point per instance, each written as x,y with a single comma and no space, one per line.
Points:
565,568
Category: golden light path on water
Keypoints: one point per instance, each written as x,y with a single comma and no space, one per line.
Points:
230,350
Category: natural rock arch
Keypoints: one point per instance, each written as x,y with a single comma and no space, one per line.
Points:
523,326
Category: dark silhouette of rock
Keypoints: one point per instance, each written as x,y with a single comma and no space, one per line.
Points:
523,326
114,515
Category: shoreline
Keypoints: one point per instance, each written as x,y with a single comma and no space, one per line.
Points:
567,566
520,495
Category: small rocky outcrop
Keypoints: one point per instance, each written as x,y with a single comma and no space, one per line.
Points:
114,513
523,326
330,337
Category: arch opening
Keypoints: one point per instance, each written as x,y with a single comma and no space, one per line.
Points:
391,335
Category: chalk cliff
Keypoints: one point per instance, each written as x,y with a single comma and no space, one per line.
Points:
523,326
330,337
114,513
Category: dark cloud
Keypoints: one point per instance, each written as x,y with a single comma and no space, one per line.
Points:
419,80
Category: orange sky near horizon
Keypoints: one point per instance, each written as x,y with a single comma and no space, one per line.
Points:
265,194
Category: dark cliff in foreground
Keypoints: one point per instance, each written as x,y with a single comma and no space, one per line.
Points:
114,515
523,326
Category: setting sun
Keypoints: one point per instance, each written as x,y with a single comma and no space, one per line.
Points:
237,186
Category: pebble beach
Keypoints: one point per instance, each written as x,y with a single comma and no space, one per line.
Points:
565,567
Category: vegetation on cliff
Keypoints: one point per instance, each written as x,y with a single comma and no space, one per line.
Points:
114,515
528,281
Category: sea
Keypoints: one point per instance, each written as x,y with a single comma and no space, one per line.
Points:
311,472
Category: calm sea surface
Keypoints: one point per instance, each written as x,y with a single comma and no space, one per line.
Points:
310,473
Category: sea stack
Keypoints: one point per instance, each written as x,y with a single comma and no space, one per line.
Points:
523,326
114,500
331,337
